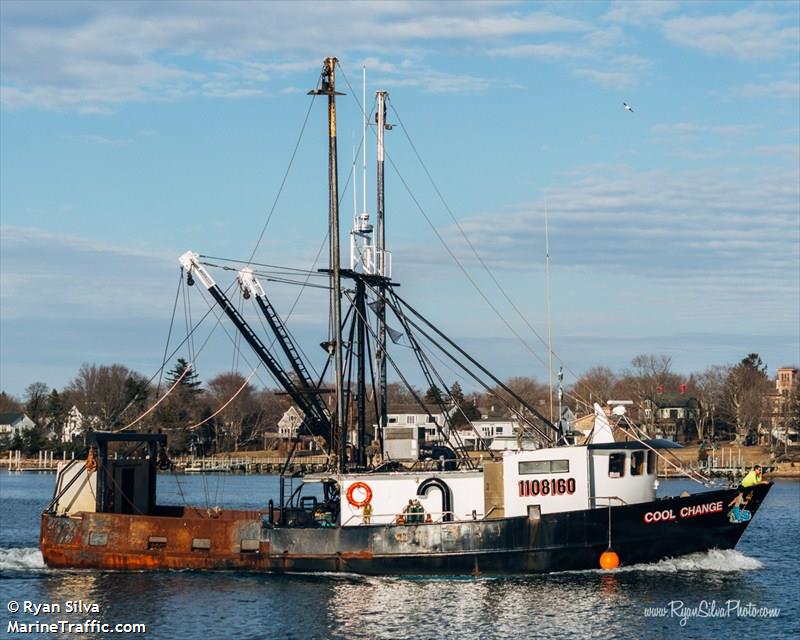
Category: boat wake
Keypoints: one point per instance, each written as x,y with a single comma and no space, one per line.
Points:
21,559
724,560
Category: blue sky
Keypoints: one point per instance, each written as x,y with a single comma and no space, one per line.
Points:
131,132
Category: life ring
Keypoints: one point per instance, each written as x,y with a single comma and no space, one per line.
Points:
362,486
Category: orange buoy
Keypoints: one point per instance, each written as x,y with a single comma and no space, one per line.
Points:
609,559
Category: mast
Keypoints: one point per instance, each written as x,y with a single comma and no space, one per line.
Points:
380,260
328,88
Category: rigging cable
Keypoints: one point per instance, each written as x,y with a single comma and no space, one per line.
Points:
285,176
479,258
465,457
471,359
452,254
224,406
160,400
163,364
169,333
426,365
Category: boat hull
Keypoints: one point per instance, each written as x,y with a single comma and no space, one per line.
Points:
244,540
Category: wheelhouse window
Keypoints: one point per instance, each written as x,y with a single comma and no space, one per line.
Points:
651,463
543,466
616,465
637,463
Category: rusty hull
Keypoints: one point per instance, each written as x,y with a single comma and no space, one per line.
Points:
228,539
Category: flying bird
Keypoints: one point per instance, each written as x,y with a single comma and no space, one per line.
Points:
627,107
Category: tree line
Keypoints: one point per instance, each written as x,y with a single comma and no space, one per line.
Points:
228,413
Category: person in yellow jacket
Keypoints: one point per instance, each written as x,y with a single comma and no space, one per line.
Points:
753,478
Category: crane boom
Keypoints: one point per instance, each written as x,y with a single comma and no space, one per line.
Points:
316,420
251,287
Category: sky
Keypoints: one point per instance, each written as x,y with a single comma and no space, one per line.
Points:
131,132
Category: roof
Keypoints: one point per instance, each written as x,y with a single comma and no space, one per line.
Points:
413,409
11,417
493,413
637,444
666,400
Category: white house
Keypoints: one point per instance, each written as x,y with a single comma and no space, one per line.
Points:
73,425
12,424
406,426
290,422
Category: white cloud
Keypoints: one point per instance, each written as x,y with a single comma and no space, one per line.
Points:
91,138
790,151
632,60
639,13
707,238
553,50
774,89
77,276
433,81
91,57
608,79
746,34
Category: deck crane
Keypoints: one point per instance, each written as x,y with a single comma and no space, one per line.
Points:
316,417
252,288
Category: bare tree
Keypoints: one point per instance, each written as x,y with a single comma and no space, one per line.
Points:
533,392
596,385
109,393
744,392
36,402
9,404
708,387
398,394
237,419
649,377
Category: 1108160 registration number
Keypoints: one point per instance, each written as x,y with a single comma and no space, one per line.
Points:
546,487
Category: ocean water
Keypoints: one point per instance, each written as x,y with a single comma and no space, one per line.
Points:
740,593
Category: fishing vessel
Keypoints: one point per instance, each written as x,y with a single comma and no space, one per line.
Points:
567,503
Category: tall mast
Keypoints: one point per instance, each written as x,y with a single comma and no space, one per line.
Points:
364,214
380,242
328,88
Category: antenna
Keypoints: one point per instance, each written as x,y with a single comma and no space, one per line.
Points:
364,214
549,315
360,237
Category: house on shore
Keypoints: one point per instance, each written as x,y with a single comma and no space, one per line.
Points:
13,424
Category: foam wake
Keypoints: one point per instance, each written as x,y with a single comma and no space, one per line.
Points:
712,560
23,559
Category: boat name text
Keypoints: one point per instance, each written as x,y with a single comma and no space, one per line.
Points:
669,515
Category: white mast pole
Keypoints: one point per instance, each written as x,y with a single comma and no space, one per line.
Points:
353,240
364,141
